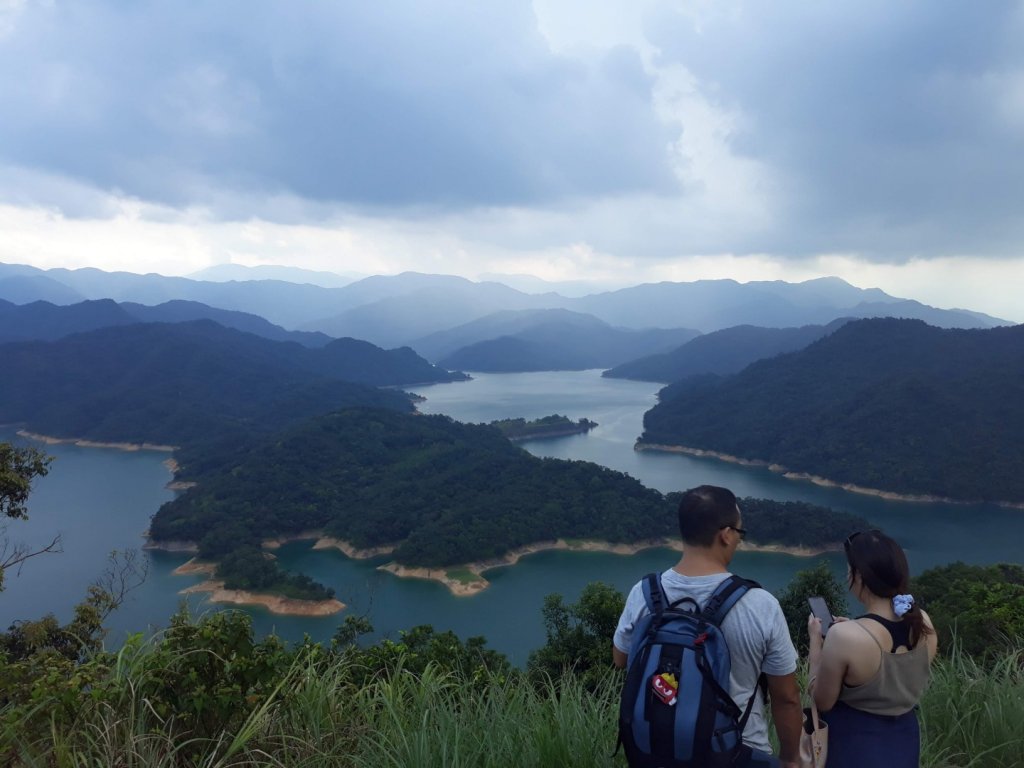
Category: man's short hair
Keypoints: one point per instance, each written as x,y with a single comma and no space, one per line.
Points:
703,512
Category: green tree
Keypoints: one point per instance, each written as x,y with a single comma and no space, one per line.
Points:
820,581
981,608
18,468
579,635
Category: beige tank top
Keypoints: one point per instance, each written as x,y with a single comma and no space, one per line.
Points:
896,687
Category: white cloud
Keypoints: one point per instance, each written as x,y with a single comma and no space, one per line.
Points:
620,142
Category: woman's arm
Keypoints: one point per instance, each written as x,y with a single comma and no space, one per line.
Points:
932,638
828,661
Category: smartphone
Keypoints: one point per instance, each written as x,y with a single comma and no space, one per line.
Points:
820,610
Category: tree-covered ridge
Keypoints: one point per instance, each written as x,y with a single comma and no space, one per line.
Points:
443,493
891,404
721,352
185,383
555,424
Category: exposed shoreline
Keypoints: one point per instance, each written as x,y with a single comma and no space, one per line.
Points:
463,580
817,479
277,604
171,464
83,443
459,578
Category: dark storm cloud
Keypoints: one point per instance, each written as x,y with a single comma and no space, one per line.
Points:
895,129
397,103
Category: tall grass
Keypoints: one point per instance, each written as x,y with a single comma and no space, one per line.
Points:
316,715
973,715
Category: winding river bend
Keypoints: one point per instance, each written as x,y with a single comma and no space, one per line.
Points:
101,499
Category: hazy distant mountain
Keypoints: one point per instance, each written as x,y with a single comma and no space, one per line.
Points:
544,340
220,273
23,289
179,311
282,303
715,304
396,309
45,321
721,352
509,322
531,284
181,383
891,404
438,304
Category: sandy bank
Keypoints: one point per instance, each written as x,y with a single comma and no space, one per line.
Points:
460,587
459,578
328,542
284,606
280,541
194,566
48,440
818,480
170,545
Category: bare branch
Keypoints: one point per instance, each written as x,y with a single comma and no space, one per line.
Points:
126,570
15,555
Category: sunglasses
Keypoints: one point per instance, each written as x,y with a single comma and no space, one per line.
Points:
741,531
854,535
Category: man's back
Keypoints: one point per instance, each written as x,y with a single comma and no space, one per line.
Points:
755,631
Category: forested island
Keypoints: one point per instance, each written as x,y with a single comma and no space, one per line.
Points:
555,425
892,405
435,493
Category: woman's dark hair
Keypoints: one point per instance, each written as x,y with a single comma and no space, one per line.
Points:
703,512
882,566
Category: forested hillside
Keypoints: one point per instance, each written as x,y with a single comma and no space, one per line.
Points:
181,383
891,404
721,352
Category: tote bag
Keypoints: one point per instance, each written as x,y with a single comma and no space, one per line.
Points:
813,739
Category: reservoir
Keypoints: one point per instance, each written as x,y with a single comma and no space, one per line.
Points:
101,499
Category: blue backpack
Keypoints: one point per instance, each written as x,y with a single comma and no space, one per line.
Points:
676,711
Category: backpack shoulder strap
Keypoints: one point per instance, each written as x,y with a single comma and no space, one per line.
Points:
654,595
725,596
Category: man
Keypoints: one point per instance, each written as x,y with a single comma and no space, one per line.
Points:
710,525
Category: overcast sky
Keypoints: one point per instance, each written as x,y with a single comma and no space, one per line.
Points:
614,142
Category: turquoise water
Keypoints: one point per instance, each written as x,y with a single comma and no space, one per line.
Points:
102,499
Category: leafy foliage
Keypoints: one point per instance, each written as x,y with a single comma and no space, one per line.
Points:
981,608
817,581
579,636
18,468
890,404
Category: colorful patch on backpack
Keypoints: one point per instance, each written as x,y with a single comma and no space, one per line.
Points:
665,686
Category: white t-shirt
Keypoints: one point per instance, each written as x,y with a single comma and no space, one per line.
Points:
755,630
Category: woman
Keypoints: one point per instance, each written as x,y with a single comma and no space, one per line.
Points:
868,674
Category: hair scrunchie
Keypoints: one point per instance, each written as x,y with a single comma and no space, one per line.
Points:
902,603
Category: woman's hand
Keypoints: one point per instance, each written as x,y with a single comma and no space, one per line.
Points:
814,631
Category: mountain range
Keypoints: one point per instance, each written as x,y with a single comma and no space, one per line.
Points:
397,310
45,321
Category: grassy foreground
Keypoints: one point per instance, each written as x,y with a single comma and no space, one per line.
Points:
210,696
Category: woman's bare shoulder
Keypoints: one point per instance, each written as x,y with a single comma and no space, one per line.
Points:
848,635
